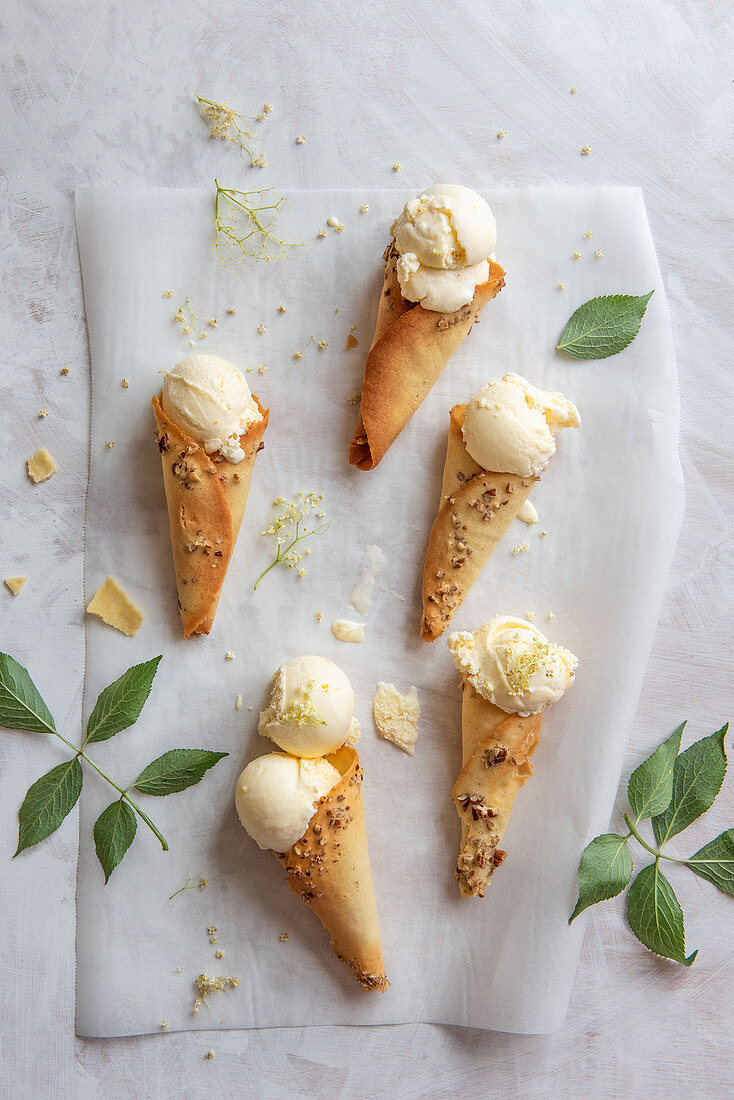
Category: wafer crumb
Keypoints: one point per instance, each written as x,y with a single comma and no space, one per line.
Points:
113,606
573,91
15,584
351,342
238,703
41,466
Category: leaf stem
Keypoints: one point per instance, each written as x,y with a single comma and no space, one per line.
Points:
124,794
633,832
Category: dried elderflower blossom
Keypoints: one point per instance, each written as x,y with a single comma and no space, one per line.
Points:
287,525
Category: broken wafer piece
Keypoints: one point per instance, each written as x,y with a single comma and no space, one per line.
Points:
396,716
112,604
15,584
41,466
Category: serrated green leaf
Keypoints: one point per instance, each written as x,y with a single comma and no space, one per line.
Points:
21,705
48,802
114,832
655,916
603,326
604,871
120,704
650,787
715,861
697,777
176,770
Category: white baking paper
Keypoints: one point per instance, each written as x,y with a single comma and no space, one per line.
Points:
610,502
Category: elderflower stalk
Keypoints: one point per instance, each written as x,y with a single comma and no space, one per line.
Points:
244,222
229,125
285,527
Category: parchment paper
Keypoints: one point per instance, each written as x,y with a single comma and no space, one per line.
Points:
611,502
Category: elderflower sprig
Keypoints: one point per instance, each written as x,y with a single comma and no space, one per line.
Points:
226,124
244,224
288,527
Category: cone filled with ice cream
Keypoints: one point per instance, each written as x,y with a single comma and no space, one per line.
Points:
209,429
305,805
499,443
510,673
439,275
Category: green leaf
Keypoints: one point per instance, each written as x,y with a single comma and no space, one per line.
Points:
655,916
21,706
114,832
604,871
715,861
120,704
650,788
603,326
697,777
48,802
176,770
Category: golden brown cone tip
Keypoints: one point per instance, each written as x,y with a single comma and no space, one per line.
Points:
497,750
477,506
206,497
330,868
410,348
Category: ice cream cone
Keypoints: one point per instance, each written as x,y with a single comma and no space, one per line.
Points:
330,868
496,754
477,506
410,348
206,502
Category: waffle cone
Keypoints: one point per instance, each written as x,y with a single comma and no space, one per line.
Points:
330,868
477,506
496,752
206,502
410,348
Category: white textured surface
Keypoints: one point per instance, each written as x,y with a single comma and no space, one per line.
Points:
100,92
600,553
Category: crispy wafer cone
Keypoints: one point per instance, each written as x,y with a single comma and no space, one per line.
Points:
496,753
410,348
330,868
206,502
477,506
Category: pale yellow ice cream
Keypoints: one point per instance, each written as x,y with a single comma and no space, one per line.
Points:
511,664
510,426
444,238
276,797
211,401
311,708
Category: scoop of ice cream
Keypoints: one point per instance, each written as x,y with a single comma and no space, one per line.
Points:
277,795
511,664
311,708
446,226
444,237
510,426
439,289
211,401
